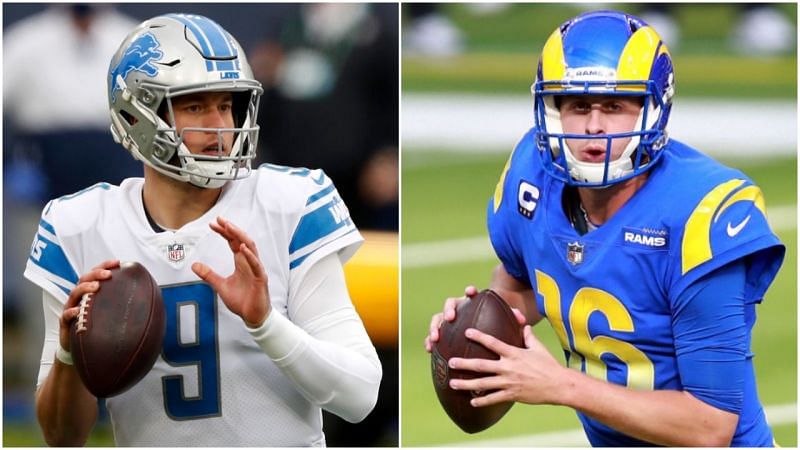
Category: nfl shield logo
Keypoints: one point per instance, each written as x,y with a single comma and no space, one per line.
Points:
175,252
575,253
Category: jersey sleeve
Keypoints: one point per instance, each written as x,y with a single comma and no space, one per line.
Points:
712,335
324,225
49,265
500,216
728,224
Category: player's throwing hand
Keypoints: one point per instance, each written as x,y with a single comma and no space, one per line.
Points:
244,292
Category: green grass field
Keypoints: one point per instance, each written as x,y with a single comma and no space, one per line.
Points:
444,197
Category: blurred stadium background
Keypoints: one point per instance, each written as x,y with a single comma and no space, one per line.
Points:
466,75
330,73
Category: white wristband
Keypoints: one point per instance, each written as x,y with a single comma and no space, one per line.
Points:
277,336
64,356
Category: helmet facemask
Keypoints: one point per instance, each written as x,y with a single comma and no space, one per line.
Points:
210,171
637,156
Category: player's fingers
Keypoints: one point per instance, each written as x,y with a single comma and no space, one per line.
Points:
530,339
79,291
253,262
69,315
475,364
476,384
470,291
450,306
428,344
240,235
110,264
223,232
500,396
433,329
209,276
519,316
97,273
488,341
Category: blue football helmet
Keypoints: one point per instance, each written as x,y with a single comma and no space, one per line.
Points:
603,53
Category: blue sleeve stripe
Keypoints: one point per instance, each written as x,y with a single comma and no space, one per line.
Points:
300,260
47,226
318,224
320,194
54,261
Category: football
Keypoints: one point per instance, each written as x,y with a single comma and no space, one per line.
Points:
118,334
489,313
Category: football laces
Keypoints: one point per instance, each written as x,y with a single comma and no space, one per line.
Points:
83,312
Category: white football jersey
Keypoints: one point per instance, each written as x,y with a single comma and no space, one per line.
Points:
212,384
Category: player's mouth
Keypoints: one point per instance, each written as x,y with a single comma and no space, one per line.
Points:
593,153
214,150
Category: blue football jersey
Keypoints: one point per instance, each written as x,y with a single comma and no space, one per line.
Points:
610,294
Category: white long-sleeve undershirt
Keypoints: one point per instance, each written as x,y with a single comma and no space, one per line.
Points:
324,348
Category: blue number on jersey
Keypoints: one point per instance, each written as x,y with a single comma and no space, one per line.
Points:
202,351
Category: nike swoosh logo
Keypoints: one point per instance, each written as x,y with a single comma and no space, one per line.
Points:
733,231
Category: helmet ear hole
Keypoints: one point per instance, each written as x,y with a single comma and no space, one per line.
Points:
241,102
128,117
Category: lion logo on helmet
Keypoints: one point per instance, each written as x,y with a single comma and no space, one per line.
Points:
138,57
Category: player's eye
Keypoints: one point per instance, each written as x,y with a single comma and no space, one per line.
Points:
193,108
226,106
581,106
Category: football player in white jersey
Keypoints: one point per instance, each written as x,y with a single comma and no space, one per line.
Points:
261,333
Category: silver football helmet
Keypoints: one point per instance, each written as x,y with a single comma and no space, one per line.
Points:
170,56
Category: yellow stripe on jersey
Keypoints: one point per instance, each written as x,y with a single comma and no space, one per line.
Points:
636,60
498,190
750,194
696,245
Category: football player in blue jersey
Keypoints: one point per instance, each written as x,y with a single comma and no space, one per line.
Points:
261,333
647,257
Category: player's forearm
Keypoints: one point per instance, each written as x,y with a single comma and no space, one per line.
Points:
672,418
516,294
65,409
340,379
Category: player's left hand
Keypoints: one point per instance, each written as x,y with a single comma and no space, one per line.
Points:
244,292
529,375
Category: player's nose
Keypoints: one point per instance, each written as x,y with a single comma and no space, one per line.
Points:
215,118
595,123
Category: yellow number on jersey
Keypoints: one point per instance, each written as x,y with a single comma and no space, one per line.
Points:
641,372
